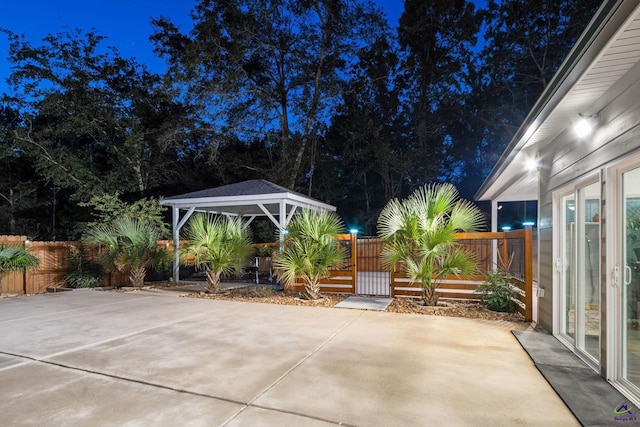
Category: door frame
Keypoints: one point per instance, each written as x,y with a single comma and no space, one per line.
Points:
558,301
614,278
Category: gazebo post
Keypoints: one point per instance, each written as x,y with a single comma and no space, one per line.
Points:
282,219
494,229
177,225
176,244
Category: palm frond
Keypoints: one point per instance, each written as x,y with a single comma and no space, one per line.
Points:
420,232
16,258
312,248
220,244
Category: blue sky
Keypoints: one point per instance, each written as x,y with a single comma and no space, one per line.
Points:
125,23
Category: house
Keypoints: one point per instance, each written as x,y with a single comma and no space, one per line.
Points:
578,155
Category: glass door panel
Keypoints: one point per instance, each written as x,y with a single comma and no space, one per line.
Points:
588,270
567,261
579,262
630,274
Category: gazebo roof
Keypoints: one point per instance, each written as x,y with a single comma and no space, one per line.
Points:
256,197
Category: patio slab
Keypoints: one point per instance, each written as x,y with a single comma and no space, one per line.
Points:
101,358
365,303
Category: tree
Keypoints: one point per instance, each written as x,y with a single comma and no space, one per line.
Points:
311,250
18,185
363,161
259,67
130,244
419,232
107,208
525,42
91,121
15,258
219,245
437,38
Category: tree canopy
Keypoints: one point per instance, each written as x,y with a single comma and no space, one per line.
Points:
321,96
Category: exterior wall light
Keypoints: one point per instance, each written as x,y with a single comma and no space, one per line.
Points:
585,125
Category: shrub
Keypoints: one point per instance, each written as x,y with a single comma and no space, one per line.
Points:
261,291
498,293
83,272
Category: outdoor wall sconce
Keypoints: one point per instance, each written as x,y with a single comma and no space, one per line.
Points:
531,164
584,126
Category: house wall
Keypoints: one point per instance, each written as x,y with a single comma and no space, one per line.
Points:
567,160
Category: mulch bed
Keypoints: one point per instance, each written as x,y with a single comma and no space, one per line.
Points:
454,308
262,295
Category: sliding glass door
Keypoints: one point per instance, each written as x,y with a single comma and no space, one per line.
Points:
628,271
578,262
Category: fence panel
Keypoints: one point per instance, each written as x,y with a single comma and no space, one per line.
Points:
13,282
343,279
53,266
516,246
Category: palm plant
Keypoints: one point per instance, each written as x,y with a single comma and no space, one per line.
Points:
419,233
311,250
15,258
130,244
219,245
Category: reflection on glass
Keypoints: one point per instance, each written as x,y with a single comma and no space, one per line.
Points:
568,256
580,280
588,270
630,274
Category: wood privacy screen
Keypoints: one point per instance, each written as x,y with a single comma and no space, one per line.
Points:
54,265
516,246
50,273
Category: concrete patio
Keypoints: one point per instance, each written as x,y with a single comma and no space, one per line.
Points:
103,358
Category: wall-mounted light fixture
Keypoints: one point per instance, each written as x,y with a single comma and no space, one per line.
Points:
585,125
531,164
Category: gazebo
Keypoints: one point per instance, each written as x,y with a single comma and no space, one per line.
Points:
248,199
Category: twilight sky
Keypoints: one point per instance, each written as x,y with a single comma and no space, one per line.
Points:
125,23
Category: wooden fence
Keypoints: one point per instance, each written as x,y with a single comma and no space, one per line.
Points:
516,246
513,245
343,279
54,266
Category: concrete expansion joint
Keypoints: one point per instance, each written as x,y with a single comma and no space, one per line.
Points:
287,372
245,405
179,390
119,377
